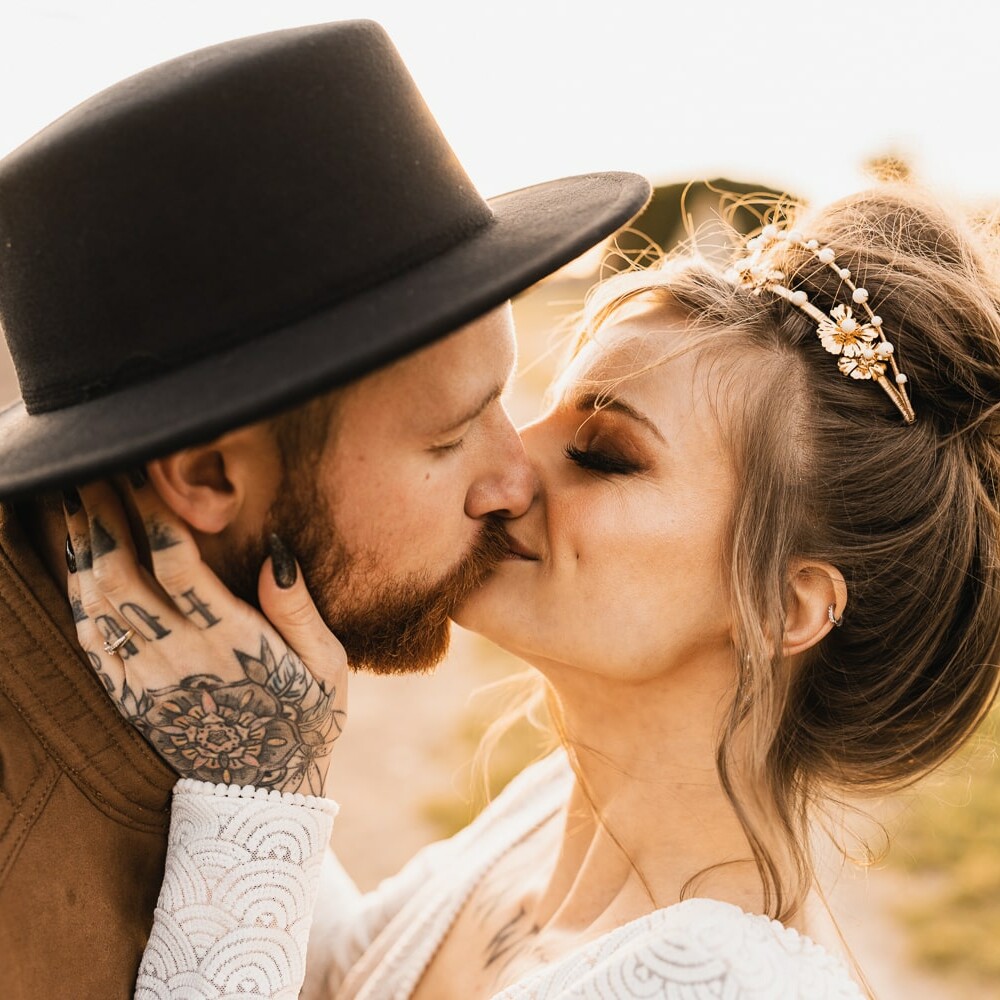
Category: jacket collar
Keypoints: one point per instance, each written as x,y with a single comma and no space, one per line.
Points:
47,678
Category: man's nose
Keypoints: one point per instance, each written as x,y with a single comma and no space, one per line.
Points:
508,485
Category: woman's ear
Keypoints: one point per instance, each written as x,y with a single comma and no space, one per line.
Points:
209,485
817,594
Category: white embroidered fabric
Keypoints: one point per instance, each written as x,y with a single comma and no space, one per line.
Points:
242,875
233,915
700,949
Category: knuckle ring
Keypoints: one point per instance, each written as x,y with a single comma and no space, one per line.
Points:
111,648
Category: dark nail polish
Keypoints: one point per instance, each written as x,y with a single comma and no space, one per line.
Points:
70,556
282,563
137,477
72,501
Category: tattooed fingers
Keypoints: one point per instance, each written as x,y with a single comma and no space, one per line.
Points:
96,616
176,560
109,669
112,556
221,693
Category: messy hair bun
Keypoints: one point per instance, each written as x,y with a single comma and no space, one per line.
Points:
935,288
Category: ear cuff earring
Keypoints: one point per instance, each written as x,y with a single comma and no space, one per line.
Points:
837,622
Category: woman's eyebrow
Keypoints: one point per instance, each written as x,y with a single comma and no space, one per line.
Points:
591,401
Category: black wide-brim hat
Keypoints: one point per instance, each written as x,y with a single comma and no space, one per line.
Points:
234,231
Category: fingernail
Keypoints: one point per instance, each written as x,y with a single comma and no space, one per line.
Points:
70,556
137,477
282,563
72,501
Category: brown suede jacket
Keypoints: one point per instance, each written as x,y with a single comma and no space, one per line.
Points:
84,803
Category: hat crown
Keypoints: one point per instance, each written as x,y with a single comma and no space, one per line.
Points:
217,197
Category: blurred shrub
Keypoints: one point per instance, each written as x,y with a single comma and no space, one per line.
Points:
481,779
521,745
948,844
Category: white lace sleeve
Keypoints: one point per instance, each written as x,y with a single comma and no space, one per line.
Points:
238,893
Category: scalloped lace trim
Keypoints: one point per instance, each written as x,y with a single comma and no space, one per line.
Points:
238,893
190,786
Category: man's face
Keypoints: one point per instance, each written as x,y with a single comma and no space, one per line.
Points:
400,515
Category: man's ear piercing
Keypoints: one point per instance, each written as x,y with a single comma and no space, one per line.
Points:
837,622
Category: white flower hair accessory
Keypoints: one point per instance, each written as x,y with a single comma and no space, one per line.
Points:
856,338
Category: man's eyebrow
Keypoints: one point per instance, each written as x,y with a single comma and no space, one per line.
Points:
592,401
494,394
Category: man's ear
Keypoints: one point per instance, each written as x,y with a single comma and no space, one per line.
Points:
210,485
812,588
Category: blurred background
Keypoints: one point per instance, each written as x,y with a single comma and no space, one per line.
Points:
809,99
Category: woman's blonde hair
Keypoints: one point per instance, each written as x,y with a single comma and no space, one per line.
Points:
826,470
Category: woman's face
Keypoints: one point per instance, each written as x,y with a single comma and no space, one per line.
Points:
621,570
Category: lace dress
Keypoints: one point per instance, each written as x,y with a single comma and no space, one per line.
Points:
244,870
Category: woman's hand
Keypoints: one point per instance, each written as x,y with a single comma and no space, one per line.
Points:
221,693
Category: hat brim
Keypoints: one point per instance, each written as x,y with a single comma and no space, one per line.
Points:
535,231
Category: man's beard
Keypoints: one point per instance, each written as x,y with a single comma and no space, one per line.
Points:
387,625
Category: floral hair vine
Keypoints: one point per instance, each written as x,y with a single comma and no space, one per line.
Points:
862,349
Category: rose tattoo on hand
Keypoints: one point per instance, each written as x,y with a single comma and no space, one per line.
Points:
268,730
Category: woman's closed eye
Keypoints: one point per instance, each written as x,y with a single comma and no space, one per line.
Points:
597,460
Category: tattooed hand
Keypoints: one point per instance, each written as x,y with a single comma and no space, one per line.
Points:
222,693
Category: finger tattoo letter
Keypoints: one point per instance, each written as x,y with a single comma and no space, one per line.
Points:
134,613
98,665
194,607
111,629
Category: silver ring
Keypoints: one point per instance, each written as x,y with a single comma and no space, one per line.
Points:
834,620
111,648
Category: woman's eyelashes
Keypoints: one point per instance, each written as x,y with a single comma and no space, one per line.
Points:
604,461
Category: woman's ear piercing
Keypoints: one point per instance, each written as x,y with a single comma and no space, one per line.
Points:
833,620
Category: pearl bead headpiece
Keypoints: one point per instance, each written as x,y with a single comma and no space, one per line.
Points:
862,349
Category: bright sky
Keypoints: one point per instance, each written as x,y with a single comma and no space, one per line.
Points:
793,92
